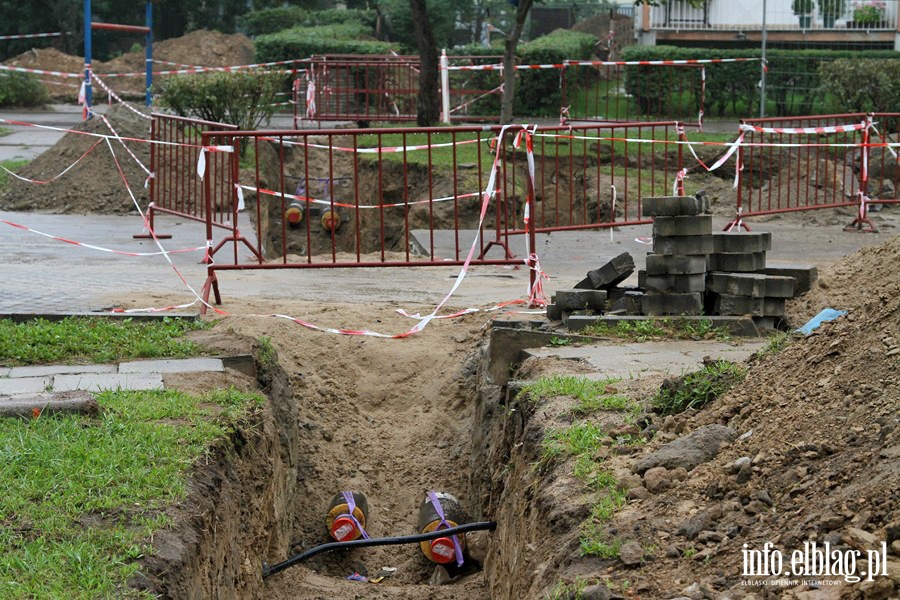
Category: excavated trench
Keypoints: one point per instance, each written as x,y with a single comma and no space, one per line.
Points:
390,421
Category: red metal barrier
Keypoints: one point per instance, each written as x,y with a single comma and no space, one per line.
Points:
803,165
412,197
175,188
367,88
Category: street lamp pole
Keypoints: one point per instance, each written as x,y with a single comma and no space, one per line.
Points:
762,68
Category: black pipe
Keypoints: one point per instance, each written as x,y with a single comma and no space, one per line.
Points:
390,541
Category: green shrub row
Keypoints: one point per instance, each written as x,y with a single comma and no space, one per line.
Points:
302,42
538,92
796,82
272,20
19,89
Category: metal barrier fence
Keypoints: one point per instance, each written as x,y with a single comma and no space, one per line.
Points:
827,161
366,88
175,188
405,197
616,93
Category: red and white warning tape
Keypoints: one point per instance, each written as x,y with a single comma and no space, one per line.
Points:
116,97
321,202
805,130
496,90
379,149
93,247
41,72
55,177
30,36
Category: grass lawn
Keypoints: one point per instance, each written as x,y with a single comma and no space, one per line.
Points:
83,495
85,340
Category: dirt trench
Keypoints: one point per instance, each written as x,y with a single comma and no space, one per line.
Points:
391,419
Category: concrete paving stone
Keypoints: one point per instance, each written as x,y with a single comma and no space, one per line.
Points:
726,304
571,300
23,385
79,402
742,241
672,304
578,313
674,206
108,381
738,284
780,287
804,275
737,262
584,284
186,365
554,313
684,244
613,272
51,370
665,356
676,283
660,264
677,226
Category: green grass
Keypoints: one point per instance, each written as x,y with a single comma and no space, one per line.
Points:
76,340
665,328
266,350
580,438
697,389
12,165
82,496
591,395
777,342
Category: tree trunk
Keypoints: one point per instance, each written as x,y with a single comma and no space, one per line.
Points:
428,105
509,61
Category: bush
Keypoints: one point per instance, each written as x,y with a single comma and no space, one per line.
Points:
538,92
303,42
793,82
862,85
19,89
270,20
479,80
243,98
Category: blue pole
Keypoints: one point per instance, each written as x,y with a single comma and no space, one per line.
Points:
149,78
88,96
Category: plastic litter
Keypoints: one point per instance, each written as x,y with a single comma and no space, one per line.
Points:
829,314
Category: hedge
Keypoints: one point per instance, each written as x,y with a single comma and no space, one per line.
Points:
794,83
538,92
272,20
302,42
866,84
19,89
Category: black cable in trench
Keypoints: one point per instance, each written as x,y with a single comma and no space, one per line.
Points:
389,541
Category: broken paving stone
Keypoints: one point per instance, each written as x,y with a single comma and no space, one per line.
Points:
696,448
677,226
631,553
672,303
612,273
572,300
660,264
742,242
683,245
674,206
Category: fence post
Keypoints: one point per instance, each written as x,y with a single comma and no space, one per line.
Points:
207,198
445,87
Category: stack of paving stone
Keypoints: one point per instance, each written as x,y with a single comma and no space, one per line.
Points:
675,278
736,283
590,295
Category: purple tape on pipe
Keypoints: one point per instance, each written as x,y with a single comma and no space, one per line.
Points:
351,506
444,525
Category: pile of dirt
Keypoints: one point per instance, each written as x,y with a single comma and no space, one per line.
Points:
866,275
811,455
199,48
94,185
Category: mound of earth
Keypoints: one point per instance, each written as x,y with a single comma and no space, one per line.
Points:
866,275
816,459
94,185
198,48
